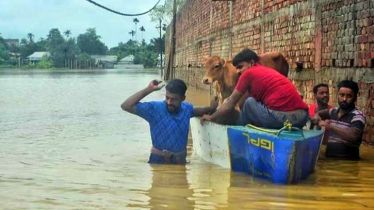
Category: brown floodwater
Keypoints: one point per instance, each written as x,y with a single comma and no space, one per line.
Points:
66,144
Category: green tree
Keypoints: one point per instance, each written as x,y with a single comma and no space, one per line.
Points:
29,48
144,53
55,44
30,36
165,12
43,44
23,41
156,44
45,63
2,41
136,21
4,54
54,40
68,50
90,43
142,29
132,32
67,33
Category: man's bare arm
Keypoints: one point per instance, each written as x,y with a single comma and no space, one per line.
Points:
226,107
200,111
130,103
350,135
320,116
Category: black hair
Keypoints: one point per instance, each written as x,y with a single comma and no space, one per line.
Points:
349,84
315,88
177,86
246,55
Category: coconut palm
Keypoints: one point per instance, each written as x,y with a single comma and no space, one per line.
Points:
136,21
132,32
142,29
30,36
67,33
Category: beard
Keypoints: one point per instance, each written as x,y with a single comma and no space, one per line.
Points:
346,106
172,109
323,100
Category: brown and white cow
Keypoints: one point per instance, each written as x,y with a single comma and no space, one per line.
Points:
223,75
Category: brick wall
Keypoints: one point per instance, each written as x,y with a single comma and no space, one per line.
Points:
334,40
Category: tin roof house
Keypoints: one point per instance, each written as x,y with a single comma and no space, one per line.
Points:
38,56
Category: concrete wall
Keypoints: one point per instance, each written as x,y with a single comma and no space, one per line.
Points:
334,39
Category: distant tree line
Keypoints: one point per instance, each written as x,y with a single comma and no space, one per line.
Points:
64,47
146,54
61,48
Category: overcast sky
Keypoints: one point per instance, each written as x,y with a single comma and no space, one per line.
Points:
20,17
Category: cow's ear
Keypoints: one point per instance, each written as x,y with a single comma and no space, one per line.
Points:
223,61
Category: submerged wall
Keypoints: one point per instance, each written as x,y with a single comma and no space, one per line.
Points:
334,40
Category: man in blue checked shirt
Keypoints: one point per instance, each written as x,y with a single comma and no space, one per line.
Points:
169,120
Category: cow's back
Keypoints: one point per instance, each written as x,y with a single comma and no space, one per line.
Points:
276,61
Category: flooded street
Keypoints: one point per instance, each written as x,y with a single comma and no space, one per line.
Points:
65,143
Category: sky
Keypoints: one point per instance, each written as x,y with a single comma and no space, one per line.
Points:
20,17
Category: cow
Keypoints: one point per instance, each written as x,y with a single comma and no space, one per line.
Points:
223,75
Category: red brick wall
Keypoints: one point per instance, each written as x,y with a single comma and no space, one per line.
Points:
334,39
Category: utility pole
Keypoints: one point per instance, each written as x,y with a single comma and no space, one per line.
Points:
173,38
162,73
160,27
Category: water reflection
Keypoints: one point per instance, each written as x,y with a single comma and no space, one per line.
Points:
66,144
170,189
210,185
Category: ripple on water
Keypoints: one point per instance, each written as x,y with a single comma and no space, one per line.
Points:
66,144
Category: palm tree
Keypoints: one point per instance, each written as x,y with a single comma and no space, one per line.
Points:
30,36
67,33
132,32
142,29
136,21
23,41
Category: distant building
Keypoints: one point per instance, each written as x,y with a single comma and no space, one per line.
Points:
127,60
38,56
128,63
105,61
12,42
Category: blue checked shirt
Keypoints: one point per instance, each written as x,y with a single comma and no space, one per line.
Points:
168,131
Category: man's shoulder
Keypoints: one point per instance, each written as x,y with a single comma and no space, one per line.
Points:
358,116
187,105
357,112
259,69
150,105
156,103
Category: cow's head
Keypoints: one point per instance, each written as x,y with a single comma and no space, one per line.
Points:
214,67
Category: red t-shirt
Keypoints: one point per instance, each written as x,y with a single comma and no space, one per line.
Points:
271,88
313,107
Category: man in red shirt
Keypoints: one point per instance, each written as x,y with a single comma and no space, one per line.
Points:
321,94
274,99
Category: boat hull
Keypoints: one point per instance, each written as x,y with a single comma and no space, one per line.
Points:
283,159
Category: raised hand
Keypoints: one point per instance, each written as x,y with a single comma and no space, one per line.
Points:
155,85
